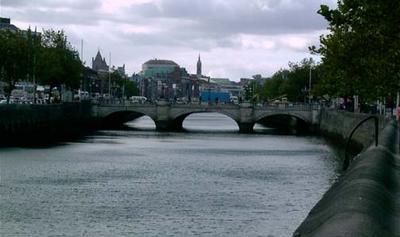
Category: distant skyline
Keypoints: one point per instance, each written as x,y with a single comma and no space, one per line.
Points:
236,38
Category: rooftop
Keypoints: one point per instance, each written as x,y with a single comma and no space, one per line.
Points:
221,81
161,62
5,24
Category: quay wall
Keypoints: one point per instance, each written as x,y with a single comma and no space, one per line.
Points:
336,127
364,201
42,124
361,203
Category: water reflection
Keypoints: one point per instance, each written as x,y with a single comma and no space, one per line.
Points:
206,123
211,181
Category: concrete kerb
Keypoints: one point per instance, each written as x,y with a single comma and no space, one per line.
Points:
363,201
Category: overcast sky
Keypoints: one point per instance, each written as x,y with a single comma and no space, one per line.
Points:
236,38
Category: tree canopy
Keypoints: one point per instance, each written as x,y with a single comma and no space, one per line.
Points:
47,56
121,86
292,83
58,63
13,59
361,54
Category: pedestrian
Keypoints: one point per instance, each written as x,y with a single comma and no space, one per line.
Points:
398,113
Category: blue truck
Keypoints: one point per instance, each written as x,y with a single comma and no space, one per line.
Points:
213,96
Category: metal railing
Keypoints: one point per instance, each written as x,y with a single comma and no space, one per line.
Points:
266,106
346,162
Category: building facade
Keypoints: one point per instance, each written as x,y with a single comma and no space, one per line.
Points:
99,63
5,24
165,79
199,69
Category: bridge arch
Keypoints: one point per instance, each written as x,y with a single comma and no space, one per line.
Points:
284,120
171,117
118,118
179,118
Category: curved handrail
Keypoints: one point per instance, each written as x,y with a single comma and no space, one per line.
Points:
346,161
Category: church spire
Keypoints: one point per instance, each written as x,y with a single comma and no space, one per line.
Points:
198,67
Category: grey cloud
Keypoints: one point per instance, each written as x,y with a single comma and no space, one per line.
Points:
240,16
206,24
72,4
55,17
179,25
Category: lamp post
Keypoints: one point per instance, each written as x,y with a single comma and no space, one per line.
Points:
397,106
109,80
309,83
209,92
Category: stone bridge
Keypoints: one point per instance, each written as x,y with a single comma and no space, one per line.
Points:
170,117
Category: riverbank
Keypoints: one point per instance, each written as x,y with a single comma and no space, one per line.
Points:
29,125
37,125
208,181
364,201
41,124
336,126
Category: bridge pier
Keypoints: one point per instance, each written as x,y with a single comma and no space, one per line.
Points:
246,127
168,125
169,117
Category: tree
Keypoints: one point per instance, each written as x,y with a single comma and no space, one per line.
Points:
24,54
274,87
298,79
118,82
59,63
293,83
131,89
360,55
250,91
13,59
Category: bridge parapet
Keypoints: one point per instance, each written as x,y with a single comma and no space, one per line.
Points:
170,116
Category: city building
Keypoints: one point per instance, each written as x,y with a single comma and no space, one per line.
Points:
99,63
100,67
167,80
91,82
260,79
226,85
121,70
245,81
5,24
199,69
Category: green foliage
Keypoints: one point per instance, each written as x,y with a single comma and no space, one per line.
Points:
59,63
250,91
13,59
131,89
274,87
122,86
361,54
49,57
292,83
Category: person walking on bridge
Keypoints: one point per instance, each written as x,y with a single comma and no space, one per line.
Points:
398,113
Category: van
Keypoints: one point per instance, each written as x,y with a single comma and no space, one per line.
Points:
234,100
138,99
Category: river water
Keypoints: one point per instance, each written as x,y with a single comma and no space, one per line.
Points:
208,181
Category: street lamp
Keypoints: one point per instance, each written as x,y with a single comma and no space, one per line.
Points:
109,80
209,92
309,83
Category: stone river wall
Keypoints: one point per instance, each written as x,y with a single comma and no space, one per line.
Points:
40,124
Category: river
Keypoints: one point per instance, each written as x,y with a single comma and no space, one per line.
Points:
207,181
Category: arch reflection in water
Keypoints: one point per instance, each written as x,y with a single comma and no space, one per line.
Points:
142,123
205,122
144,183
198,122
210,122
